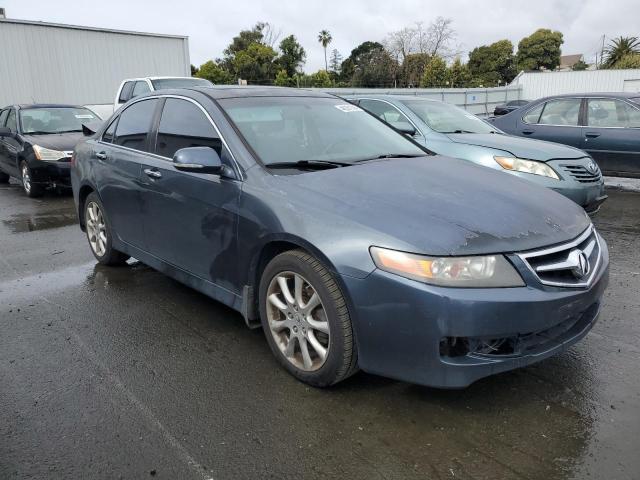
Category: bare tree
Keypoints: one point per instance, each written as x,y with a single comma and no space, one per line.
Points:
401,43
439,37
270,35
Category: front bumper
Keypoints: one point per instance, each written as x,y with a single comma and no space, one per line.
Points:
429,335
51,173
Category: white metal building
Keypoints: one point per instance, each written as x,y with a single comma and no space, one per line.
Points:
535,85
53,63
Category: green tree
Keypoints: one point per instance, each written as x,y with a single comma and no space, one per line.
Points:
493,64
435,74
284,80
256,64
459,74
413,69
631,60
579,65
325,38
359,56
194,70
619,48
214,73
540,50
321,79
292,55
374,68
335,61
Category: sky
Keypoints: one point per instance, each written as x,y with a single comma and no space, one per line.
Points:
211,24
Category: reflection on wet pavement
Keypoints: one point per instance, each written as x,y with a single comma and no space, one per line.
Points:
24,222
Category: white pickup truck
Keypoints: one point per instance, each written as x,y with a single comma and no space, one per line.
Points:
132,87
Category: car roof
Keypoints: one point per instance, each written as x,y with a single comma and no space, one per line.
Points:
597,94
235,91
27,106
158,78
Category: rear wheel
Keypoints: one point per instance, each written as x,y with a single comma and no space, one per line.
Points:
30,189
306,321
100,234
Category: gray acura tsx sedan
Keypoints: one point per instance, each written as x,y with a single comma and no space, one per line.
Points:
351,245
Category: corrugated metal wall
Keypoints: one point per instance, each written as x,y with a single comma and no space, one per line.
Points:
58,64
542,84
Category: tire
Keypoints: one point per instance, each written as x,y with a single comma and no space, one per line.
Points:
4,178
287,325
100,233
30,189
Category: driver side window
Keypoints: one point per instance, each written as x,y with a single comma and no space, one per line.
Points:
11,121
384,111
563,111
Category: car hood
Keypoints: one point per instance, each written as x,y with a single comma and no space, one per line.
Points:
441,206
58,141
519,147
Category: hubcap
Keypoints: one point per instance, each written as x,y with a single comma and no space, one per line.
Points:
298,321
96,229
26,179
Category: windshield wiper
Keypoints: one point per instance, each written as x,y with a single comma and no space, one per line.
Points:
392,155
459,131
310,164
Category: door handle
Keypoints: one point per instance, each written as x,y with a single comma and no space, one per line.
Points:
152,173
527,132
101,155
592,134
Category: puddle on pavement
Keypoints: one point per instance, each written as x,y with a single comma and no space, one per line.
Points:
21,223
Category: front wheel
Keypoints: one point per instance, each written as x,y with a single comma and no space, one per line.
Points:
100,234
306,320
30,189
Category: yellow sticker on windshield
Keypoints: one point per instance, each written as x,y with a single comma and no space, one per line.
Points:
347,107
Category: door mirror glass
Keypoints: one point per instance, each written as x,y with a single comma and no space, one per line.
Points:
5,132
404,127
198,160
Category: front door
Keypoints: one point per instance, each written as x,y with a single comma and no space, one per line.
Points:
555,121
10,145
190,219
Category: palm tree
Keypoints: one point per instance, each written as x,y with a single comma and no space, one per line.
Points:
324,37
620,47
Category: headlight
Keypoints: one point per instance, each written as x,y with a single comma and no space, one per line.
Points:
48,154
526,166
481,271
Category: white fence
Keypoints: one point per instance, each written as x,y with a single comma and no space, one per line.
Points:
479,101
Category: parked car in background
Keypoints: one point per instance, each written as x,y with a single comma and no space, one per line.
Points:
353,245
448,130
605,125
36,143
133,87
509,107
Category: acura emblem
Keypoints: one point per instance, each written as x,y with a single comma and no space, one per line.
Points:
580,263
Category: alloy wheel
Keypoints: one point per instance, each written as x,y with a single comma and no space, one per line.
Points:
298,321
96,229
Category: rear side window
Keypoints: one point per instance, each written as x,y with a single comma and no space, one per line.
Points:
108,134
184,125
611,113
140,88
11,121
3,117
134,125
564,111
125,93
533,115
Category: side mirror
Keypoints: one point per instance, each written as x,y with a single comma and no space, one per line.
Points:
198,160
405,128
5,132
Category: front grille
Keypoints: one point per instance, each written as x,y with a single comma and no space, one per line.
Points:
581,173
572,264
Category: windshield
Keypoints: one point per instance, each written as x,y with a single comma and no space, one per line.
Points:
165,83
293,129
445,118
55,119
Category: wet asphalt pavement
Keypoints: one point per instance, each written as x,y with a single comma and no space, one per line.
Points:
125,373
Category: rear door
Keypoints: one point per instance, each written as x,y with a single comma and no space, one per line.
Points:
557,120
190,219
117,159
611,134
